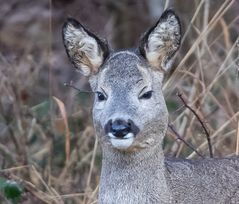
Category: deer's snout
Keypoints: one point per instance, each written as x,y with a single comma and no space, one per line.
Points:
121,129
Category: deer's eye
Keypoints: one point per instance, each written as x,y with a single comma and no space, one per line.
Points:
146,95
100,96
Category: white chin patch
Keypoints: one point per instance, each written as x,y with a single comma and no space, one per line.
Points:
122,143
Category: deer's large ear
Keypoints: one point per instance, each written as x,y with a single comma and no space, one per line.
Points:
85,50
162,41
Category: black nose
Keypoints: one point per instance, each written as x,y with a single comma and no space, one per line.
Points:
119,128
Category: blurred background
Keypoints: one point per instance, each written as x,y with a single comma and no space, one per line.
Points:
47,142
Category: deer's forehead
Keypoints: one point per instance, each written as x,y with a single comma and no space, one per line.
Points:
123,68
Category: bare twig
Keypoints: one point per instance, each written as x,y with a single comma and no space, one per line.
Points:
200,121
222,127
74,87
184,141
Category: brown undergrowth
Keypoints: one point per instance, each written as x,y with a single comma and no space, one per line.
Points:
47,142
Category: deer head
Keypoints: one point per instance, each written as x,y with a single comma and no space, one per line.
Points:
129,110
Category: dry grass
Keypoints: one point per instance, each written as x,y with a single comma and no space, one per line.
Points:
48,145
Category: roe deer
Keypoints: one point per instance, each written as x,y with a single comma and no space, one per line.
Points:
131,119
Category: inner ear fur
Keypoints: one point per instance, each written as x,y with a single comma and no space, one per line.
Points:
85,50
161,42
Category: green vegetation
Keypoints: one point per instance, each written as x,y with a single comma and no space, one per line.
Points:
10,190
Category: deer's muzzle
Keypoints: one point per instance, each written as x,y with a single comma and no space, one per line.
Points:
121,132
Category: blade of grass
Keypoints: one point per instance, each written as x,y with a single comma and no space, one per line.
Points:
223,9
237,147
67,131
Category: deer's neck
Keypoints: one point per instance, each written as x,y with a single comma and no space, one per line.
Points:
134,177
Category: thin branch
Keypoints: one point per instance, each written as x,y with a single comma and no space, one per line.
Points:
200,121
74,87
184,141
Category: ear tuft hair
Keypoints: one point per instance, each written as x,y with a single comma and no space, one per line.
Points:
161,42
85,50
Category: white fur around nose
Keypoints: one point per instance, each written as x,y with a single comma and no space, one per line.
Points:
122,143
